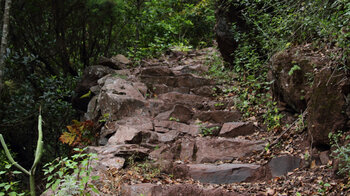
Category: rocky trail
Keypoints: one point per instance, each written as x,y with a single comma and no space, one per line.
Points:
165,133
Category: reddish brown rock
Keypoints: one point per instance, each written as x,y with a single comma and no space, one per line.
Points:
324,157
116,62
235,129
156,71
293,87
187,80
158,89
193,190
148,189
220,174
207,150
163,126
179,113
124,134
174,98
280,166
218,116
118,99
145,189
326,108
206,91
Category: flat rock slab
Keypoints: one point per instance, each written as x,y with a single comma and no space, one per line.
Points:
234,129
157,71
163,126
280,166
122,150
148,189
179,113
207,150
221,174
218,116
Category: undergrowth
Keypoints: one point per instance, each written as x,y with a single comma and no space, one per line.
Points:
251,94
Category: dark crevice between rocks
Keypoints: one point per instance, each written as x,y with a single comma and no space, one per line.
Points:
194,155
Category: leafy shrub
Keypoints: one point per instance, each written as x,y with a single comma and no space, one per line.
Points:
205,131
71,176
9,180
341,144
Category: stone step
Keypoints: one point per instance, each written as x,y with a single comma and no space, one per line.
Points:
187,80
219,174
148,189
207,149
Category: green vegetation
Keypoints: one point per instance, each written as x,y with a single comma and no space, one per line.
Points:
71,176
174,119
9,177
340,143
205,131
38,154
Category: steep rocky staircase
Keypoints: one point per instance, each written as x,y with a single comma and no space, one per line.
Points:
165,111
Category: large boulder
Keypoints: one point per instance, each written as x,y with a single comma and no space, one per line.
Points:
118,98
329,105
304,79
116,62
292,71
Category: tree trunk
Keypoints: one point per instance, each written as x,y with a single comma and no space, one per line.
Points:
5,31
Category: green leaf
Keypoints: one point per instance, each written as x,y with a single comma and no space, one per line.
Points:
51,169
49,178
95,177
85,179
16,172
55,185
95,190
60,174
86,95
48,184
13,194
327,185
7,187
2,172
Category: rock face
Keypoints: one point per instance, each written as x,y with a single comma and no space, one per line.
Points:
305,79
329,105
293,87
